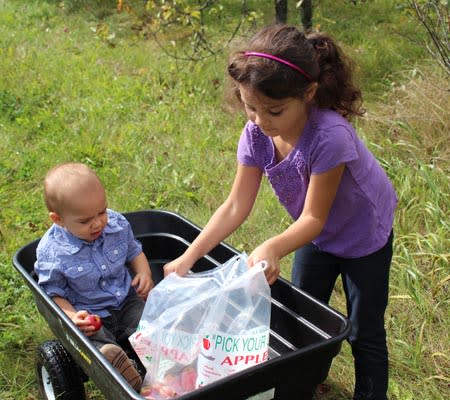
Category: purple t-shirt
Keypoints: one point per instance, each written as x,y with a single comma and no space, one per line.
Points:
361,217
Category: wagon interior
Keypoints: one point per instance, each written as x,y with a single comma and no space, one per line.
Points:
305,334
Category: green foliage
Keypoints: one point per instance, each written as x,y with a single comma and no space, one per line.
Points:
189,30
85,82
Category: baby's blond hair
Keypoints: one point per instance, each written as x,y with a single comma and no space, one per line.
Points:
63,180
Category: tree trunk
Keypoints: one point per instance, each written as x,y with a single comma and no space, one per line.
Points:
306,15
281,9
281,12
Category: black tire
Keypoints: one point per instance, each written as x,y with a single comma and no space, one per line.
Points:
58,376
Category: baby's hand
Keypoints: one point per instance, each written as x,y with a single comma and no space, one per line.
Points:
143,283
265,253
83,323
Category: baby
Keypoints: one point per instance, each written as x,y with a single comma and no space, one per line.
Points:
82,263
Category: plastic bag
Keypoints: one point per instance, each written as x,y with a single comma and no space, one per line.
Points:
203,327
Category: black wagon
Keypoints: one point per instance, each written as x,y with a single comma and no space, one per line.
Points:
305,334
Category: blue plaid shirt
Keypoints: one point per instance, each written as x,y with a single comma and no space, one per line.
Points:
92,276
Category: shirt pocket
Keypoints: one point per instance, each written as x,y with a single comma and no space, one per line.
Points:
82,277
116,254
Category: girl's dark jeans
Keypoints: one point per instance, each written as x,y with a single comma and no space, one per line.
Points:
366,285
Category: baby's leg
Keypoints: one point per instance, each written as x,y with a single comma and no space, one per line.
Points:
106,343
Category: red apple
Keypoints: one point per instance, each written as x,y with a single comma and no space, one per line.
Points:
172,382
164,390
95,321
188,378
146,391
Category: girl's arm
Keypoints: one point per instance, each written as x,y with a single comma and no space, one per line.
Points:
319,199
225,220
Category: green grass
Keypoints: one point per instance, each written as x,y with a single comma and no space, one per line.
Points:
80,82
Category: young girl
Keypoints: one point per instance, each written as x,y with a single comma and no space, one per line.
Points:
298,94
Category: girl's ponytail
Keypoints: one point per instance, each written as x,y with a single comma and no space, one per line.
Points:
336,89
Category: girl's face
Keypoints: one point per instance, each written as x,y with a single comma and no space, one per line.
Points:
285,118
86,216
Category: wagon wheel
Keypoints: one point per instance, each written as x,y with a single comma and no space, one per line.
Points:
59,377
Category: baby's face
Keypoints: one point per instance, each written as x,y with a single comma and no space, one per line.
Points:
86,216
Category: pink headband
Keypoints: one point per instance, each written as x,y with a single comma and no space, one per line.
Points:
280,60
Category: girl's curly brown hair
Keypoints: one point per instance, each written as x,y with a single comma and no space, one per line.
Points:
315,53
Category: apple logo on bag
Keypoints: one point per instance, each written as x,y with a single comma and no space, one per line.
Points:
206,343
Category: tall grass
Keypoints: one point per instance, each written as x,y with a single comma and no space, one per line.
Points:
79,82
413,125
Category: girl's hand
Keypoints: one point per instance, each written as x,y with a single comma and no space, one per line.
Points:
79,319
180,265
265,253
143,283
